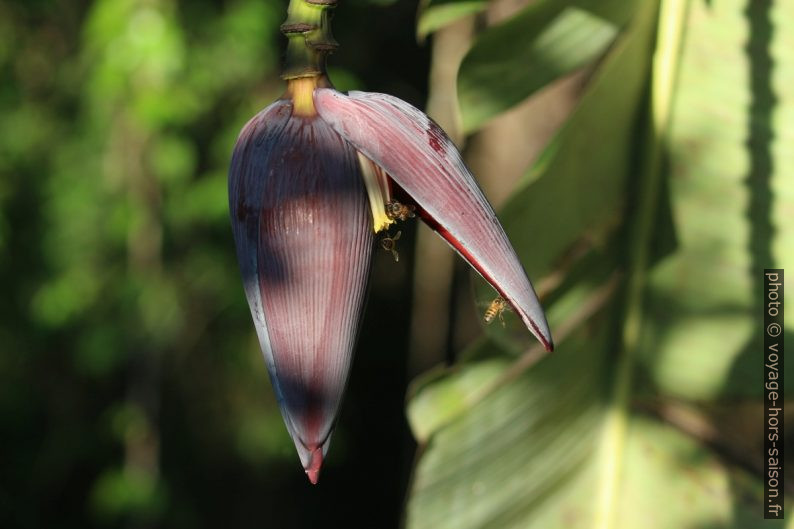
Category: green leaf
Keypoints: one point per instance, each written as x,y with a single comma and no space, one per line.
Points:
523,458
434,405
510,441
474,470
439,13
545,41
732,188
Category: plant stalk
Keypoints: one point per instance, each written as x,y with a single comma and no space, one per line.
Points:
308,31
672,17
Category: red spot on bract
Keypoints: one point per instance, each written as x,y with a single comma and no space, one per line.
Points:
434,132
435,144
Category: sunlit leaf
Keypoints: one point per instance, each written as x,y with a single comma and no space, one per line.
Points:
545,41
509,441
733,196
439,13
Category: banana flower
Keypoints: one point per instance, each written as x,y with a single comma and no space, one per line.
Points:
313,178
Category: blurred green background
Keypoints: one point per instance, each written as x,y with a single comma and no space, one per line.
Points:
132,390
638,153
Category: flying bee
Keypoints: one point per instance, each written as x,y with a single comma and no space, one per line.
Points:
496,308
398,211
389,244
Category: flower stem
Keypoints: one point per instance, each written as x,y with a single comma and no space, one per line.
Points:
308,30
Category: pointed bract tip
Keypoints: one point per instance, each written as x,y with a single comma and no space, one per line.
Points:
313,470
542,333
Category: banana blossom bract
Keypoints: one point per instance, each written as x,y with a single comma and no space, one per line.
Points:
311,181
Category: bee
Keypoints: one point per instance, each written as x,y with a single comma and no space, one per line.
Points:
398,211
389,244
496,308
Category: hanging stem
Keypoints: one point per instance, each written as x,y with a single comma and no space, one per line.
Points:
308,30
672,16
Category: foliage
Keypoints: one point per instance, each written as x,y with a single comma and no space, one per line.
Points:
651,215
132,390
